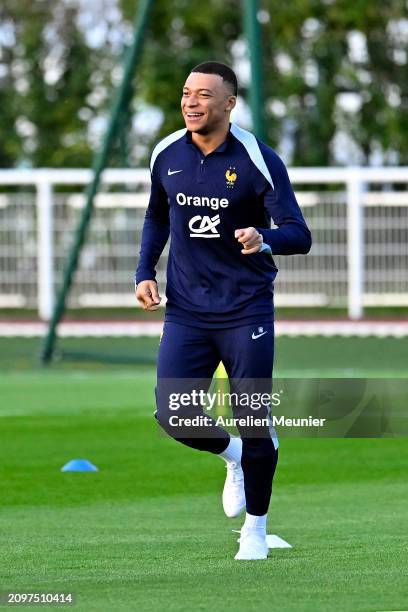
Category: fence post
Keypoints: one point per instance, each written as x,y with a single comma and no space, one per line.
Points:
355,244
45,250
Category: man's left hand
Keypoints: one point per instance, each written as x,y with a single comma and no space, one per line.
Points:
250,238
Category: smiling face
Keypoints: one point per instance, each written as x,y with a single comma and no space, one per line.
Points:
206,103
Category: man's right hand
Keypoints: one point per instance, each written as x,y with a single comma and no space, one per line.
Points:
148,295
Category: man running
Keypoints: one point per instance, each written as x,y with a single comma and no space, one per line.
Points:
215,189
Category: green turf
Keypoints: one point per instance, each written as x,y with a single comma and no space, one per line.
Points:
136,313
147,531
315,356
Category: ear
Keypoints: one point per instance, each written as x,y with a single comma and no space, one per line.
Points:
231,102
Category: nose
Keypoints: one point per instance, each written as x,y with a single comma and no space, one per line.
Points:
192,101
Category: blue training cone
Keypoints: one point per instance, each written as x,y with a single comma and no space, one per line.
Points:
79,465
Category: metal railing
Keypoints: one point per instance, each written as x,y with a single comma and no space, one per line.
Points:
358,218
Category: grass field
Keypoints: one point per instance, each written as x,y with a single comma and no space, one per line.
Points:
147,531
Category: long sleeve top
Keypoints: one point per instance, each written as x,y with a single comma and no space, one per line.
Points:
199,201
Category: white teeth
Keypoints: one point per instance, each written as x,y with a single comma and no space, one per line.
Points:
194,114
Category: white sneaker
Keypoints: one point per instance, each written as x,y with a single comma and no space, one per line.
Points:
252,545
233,495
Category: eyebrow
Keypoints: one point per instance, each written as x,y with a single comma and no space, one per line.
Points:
202,89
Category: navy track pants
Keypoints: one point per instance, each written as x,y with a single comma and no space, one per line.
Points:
187,360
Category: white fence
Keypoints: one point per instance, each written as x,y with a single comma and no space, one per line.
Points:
358,218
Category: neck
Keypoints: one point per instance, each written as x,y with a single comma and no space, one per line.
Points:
209,142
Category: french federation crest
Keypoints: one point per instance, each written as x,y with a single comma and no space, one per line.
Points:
231,176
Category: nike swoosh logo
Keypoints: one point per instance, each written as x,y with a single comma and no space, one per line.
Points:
170,172
254,336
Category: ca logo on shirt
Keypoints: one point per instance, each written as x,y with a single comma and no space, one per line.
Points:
204,226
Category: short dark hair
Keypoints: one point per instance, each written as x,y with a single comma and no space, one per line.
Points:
227,74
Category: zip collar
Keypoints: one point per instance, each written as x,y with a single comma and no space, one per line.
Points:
222,147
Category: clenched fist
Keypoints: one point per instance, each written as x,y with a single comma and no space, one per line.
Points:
250,238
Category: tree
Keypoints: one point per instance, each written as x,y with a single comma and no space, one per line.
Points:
56,83
58,72
310,51
10,141
48,84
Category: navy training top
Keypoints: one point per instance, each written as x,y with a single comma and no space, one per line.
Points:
200,200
